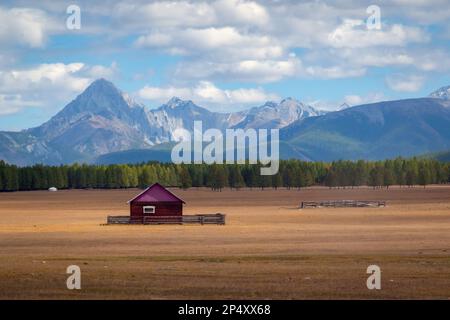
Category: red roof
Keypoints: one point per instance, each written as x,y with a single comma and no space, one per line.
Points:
156,193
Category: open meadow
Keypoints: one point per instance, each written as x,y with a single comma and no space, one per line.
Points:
268,248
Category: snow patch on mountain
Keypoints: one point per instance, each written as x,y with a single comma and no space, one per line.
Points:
441,93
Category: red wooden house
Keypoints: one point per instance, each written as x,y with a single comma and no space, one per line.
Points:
154,204
157,205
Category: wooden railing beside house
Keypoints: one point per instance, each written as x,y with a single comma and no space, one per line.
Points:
342,204
217,218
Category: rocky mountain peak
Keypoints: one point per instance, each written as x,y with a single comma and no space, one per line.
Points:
100,97
441,93
175,102
289,100
178,103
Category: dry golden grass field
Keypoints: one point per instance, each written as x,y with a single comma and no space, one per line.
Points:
268,248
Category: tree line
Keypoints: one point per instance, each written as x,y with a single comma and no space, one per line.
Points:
292,174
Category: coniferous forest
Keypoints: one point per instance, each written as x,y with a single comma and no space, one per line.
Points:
292,174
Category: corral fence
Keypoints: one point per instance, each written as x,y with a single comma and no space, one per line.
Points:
342,204
217,218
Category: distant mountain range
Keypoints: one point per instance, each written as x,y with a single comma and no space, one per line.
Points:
443,156
104,120
104,125
373,131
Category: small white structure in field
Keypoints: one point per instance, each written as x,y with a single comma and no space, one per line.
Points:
52,189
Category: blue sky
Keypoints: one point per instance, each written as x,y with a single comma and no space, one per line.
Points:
225,55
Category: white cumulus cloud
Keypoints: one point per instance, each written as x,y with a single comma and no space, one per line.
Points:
207,94
25,27
405,83
355,34
48,85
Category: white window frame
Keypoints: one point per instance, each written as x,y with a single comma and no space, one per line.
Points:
144,208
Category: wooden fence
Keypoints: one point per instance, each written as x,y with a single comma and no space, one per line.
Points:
118,220
217,218
342,204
